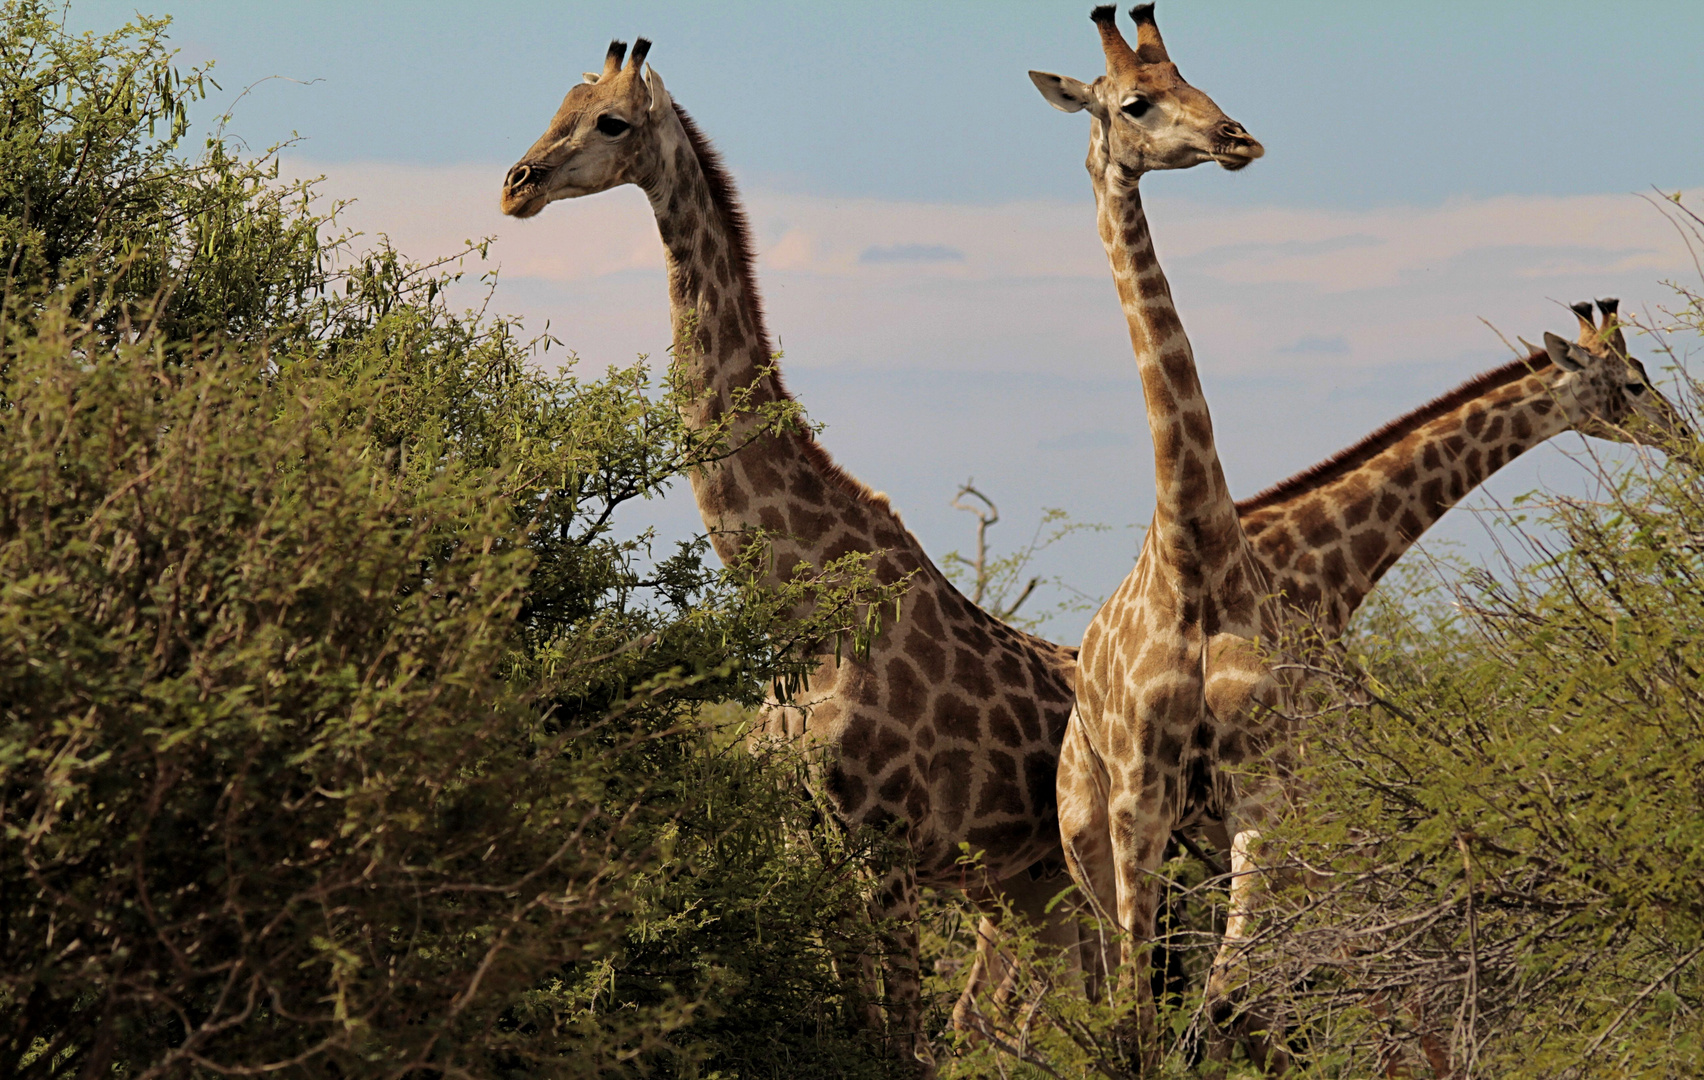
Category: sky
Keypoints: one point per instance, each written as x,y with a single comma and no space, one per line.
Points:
926,232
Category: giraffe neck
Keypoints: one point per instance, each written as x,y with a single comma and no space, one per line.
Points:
1328,535
1196,532
720,343
782,483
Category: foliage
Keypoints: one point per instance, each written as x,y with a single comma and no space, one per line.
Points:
340,733
1002,584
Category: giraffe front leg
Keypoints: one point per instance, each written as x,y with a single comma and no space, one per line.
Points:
1086,834
1139,833
1232,973
895,908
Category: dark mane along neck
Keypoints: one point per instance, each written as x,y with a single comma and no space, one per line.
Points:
1349,459
726,201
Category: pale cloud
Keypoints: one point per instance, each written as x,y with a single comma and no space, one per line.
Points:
1024,286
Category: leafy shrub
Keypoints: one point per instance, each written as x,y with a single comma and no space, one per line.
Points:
339,732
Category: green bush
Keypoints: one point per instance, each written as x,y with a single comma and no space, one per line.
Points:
340,734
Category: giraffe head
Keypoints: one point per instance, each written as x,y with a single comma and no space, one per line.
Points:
604,134
1606,391
1145,116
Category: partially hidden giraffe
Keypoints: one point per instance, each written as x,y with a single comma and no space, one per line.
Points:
1173,693
948,731
1170,679
1328,534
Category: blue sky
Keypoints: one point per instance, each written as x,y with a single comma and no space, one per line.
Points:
1360,103
926,231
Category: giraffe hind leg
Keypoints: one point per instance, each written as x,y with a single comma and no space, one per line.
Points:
895,909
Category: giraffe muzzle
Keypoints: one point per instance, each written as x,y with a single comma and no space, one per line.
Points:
1234,147
522,194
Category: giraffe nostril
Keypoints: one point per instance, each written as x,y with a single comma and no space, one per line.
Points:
518,175
1233,131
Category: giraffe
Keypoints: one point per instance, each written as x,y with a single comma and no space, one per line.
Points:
948,732
1326,535
1172,692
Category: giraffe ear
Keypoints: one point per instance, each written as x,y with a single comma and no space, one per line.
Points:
660,100
1565,354
1063,92
588,77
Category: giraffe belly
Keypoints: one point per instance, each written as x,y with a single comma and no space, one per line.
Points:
918,760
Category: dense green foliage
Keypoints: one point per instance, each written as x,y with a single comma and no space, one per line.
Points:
339,732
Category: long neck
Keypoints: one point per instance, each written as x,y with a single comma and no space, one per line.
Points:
1195,530
781,483
1328,535
720,344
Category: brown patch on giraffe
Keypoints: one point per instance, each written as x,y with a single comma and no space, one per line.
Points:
1003,726
907,695
1029,719
896,787
956,718
1368,547
1315,521
1006,836
951,772
847,791
886,744
1521,427
1002,796
1351,458
1432,502
1389,503
809,525
970,674
807,486
1278,545
1410,526
1358,511
1040,771
927,652
1429,459
1009,669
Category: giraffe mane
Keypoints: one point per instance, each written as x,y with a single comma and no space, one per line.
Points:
1353,457
725,198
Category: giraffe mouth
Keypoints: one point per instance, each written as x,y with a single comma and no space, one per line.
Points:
524,204
524,192
1236,151
1237,156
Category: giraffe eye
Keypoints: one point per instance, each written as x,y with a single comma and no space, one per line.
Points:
1635,388
1137,108
612,125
